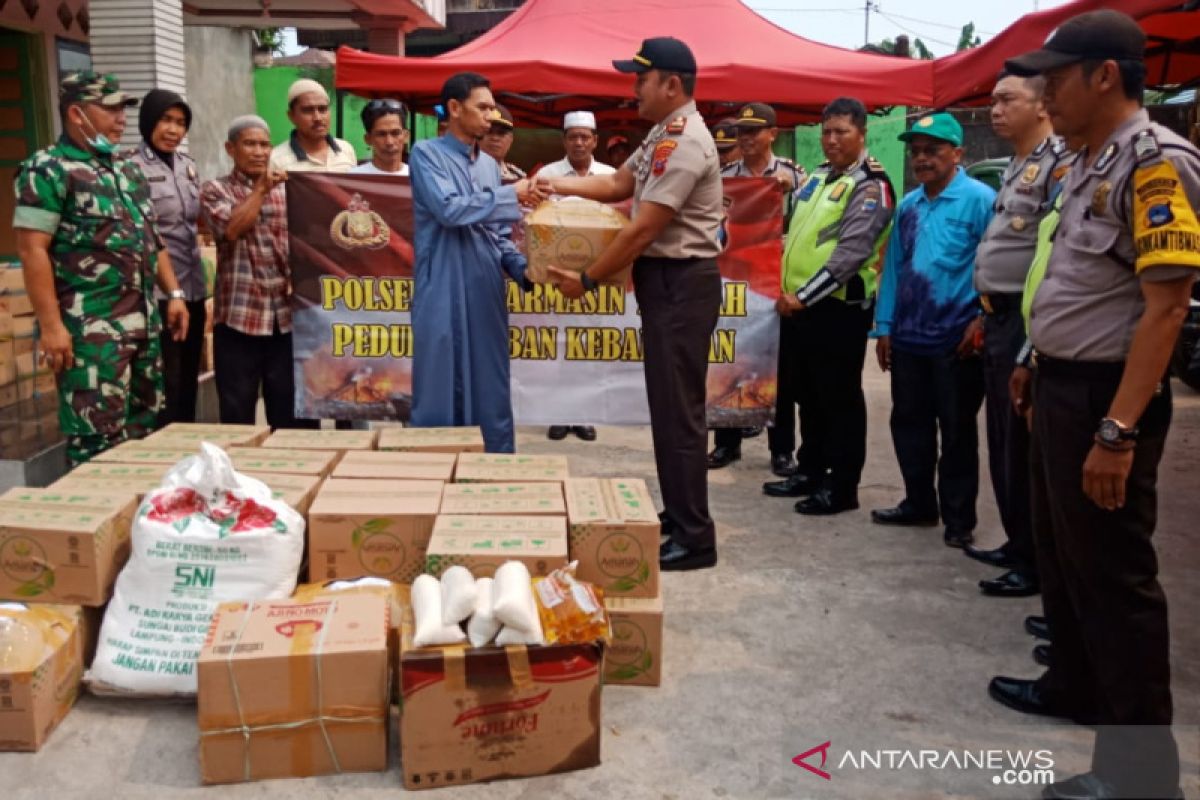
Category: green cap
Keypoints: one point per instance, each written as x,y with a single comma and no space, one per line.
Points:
88,86
938,126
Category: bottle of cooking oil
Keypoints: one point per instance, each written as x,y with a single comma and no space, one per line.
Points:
571,610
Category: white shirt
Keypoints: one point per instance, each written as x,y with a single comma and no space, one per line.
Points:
563,169
290,157
369,168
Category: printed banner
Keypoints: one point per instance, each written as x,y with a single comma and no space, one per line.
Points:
573,361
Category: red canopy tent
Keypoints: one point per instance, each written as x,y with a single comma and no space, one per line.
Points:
1172,48
553,56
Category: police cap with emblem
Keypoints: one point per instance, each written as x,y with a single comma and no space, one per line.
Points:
1096,35
756,115
665,53
724,133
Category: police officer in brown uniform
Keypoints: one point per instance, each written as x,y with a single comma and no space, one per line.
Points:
1027,191
1103,323
675,180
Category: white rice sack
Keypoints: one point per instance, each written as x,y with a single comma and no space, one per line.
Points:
427,611
483,625
458,595
210,535
511,635
512,600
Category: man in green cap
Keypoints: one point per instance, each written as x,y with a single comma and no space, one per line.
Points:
928,326
91,252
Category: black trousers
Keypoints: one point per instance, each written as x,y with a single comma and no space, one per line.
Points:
680,301
1099,576
826,379
247,364
1007,432
781,437
938,397
181,365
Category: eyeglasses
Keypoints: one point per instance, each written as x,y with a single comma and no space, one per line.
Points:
928,150
391,106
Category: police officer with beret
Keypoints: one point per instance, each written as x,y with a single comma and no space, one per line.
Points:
1103,323
675,181
1002,263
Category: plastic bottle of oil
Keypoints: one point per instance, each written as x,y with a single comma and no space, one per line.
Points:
571,611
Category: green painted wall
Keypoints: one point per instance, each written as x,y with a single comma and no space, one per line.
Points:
881,142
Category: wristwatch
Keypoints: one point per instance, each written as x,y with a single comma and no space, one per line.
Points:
177,294
1112,433
587,281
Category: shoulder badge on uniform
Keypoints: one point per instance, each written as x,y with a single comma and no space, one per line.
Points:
677,125
1059,145
1106,158
1100,198
662,152
1030,174
1145,145
1060,172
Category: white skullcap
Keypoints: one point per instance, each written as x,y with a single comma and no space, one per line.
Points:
246,122
579,119
304,86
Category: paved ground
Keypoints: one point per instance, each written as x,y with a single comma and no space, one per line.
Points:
808,631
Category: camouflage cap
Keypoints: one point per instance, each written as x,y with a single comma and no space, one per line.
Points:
88,86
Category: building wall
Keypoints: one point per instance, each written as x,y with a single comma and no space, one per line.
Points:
220,86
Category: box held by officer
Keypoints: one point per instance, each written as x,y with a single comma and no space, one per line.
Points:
509,468
317,463
571,233
432,440
371,527
480,714
483,543
538,497
391,465
635,655
308,679
41,665
614,535
63,546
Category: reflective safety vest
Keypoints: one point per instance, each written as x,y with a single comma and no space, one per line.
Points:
1041,257
816,220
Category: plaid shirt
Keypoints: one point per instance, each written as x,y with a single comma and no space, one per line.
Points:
253,277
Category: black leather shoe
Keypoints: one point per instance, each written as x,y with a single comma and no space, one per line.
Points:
750,433
795,485
723,457
953,537
558,432
1010,584
997,558
585,432
1027,697
1038,627
903,515
783,465
1087,786
1041,654
674,557
824,503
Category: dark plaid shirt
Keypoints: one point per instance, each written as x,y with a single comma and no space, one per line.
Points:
253,277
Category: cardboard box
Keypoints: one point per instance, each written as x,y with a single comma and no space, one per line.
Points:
308,679
340,441
297,491
509,468
396,465
33,701
316,463
371,527
6,328
219,434
474,715
635,655
432,440
504,498
614,535
140,451
101,476
24,335
481,544
63,546
572,233
16,303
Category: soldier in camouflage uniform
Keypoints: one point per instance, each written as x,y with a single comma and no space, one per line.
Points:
90,250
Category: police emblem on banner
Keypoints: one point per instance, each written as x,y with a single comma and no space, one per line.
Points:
359,227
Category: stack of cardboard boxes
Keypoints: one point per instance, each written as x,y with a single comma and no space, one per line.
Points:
28,401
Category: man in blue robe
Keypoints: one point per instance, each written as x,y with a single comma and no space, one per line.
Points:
459,312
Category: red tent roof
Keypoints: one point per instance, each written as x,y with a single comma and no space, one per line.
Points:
1172,47
552,56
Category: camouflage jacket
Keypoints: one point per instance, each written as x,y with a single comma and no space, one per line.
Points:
104,240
